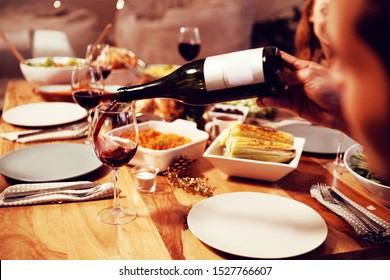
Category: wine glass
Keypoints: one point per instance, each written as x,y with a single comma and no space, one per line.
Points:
189,42
337,165
87,89
189,47
100,54
115,141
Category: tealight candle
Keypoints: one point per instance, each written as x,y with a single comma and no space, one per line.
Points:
145,178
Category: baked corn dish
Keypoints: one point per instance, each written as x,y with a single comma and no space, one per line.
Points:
257,143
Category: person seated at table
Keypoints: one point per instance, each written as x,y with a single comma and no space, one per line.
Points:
354,95
311,40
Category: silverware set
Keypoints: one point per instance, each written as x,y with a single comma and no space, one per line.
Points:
329,195
76,190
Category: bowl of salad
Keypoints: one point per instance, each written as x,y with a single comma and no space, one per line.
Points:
354,159
49,70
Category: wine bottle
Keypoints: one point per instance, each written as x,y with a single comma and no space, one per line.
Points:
233,76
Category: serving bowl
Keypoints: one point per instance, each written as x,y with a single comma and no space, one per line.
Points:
252,169
49,70
162,159
378,191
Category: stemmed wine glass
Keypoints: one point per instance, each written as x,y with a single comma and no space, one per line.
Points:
100,54
189,47
115,141
189,42
337,165
87,89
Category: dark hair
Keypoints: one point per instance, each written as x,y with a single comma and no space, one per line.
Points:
306,42
373,26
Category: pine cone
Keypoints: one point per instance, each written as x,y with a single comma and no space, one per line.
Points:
182,166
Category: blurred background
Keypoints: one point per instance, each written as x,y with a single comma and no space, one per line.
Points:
149,28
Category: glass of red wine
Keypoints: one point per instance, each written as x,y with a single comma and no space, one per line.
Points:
189,42
100,54
87,89
189,47
115,141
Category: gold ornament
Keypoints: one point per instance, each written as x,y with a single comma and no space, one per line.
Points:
177,175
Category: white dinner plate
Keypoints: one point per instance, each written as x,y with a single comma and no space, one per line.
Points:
49,162
319,139
257,225
44,114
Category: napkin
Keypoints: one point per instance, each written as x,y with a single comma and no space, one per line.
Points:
105,190
349,218
46,136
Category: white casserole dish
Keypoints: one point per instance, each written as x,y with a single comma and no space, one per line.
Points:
162,159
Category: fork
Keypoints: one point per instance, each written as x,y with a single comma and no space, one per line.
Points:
331,196
74,193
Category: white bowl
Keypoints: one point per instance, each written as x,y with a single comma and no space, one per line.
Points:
162,159
48,75
378,191
253,169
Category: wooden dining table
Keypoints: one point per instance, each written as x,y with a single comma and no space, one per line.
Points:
72,231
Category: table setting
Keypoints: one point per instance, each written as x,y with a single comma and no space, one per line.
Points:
202,198
178,194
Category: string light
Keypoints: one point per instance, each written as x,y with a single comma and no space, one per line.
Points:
57,4
120,4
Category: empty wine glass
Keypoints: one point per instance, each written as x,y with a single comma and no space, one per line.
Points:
189,42
87,89
337,165
115,141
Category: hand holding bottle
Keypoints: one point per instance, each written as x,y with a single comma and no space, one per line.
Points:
312,93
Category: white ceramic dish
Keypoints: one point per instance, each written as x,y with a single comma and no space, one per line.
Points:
378,191
257,225
162,159
319,139
44,114
48,75
253,169
49,162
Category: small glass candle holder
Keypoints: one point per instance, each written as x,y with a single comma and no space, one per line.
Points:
145,178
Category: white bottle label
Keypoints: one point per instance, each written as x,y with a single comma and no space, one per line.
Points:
234,69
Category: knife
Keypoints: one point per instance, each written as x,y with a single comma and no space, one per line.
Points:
365,219
67,186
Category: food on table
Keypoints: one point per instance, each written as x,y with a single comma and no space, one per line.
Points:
160,70
50,62
156,140
257,143
254,110
360,166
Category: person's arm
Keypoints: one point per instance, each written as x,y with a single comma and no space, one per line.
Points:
311,93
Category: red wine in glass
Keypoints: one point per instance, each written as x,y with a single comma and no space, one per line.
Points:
87,98
189,51
189,42
106,72
118,156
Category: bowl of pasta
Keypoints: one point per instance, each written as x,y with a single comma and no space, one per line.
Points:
160,142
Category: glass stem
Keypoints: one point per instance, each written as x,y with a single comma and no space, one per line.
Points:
338,159
116,203
89,120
